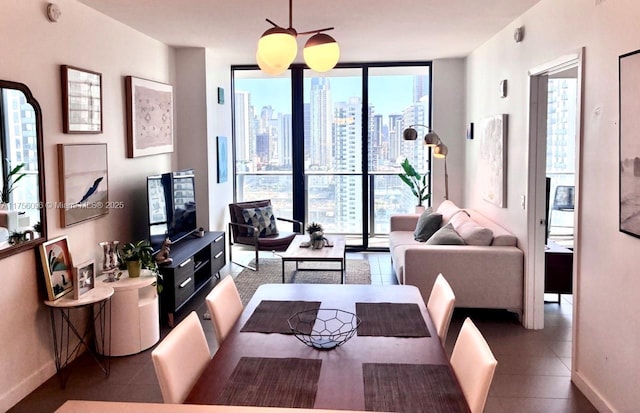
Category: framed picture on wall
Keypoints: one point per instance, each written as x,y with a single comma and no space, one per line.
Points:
629,201
57,267
81,100
149,117
492,166
84,276
222,159
84,182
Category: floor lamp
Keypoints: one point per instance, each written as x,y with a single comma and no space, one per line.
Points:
432,140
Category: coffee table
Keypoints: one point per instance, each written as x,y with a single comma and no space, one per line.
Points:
298,254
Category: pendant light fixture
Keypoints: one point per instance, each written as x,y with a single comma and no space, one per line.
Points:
277,48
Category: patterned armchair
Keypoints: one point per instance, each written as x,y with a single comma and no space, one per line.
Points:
253,223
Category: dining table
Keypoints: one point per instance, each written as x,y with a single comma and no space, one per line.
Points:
394,363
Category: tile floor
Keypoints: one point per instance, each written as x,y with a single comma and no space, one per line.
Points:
533,373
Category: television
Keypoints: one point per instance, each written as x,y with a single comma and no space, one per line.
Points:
171,200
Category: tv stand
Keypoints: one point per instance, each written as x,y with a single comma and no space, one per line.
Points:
195,261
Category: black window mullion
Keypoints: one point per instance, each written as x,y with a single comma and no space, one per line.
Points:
297,146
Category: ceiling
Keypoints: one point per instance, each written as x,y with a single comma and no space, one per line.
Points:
366,30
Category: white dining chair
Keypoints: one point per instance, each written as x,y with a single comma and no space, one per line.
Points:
440,306
474,365
180,359
225,307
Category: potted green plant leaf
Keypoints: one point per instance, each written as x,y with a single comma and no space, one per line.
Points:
316,235
418,183
9,180
138,255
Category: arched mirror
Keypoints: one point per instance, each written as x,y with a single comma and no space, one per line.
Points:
22,201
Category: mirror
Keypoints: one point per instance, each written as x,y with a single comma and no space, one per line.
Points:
22,200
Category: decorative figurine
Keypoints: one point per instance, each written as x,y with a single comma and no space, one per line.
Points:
162,257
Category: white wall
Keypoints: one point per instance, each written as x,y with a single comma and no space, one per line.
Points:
606,365
32,51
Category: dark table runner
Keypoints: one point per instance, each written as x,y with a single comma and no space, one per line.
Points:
411,388
391,320
271,316
272,382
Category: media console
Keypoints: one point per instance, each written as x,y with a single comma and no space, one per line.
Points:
195,261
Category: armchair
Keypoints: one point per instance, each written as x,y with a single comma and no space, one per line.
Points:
260,234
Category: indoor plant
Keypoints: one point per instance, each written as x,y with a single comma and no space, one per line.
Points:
9,180
316,235
138,255
418,183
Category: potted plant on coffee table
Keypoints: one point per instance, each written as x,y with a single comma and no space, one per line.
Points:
418,183
316,235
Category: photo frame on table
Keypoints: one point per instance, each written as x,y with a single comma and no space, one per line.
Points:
84,278
57,267
84,182
629,167
223,166
81,100
149,117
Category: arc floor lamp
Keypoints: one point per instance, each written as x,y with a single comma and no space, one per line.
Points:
432,140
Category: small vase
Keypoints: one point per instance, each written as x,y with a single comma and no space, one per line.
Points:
317,244
133,267
419,209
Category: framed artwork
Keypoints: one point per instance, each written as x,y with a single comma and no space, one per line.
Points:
629,95
84,276
222,159
84,183
57,267
492,137
149,117
221,96
81,100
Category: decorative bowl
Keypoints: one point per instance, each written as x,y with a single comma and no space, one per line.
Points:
325,328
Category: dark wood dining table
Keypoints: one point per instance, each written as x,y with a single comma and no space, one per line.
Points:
340,384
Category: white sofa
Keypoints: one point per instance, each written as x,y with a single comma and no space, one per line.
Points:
490,276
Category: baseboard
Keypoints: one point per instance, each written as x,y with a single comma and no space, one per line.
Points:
591,393
26,386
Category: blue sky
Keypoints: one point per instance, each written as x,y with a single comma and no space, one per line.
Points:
388,94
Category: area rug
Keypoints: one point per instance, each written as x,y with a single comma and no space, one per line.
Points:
248,281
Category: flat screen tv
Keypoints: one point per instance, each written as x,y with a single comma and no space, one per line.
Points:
171,199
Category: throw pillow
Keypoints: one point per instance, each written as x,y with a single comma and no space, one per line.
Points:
470,231
262,218
428,223
446,235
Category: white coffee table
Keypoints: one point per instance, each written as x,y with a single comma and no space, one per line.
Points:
298,254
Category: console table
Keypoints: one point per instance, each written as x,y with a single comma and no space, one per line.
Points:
195,261
97,298
558,269
134,317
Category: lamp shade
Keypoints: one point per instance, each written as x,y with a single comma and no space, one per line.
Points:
266,68
409,134
432,139
321,52
440,151
277,48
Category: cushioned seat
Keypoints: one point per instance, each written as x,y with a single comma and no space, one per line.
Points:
258,233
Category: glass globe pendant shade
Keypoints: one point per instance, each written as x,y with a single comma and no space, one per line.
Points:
409,134
431,139
278,47
440,151
321,52
266,68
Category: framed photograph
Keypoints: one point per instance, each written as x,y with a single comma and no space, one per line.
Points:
492,166
57,267
222,159
149,117
81,100
84,276
84,182
629,88
221,96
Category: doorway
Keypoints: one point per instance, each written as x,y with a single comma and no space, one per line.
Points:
554,156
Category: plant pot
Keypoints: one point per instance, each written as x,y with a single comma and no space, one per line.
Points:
420,209
317,244
133,267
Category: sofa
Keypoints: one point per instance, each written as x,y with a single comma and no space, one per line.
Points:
485,269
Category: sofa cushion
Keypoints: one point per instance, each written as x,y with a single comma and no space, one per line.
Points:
446,235
262,218
470,231
448,209
428,223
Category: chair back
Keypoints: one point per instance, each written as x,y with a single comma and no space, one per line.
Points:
440,306
235,215
473,364
225,307
180,359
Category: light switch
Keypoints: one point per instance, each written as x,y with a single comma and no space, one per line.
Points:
523,201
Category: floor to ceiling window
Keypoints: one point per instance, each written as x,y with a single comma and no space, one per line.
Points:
328,147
